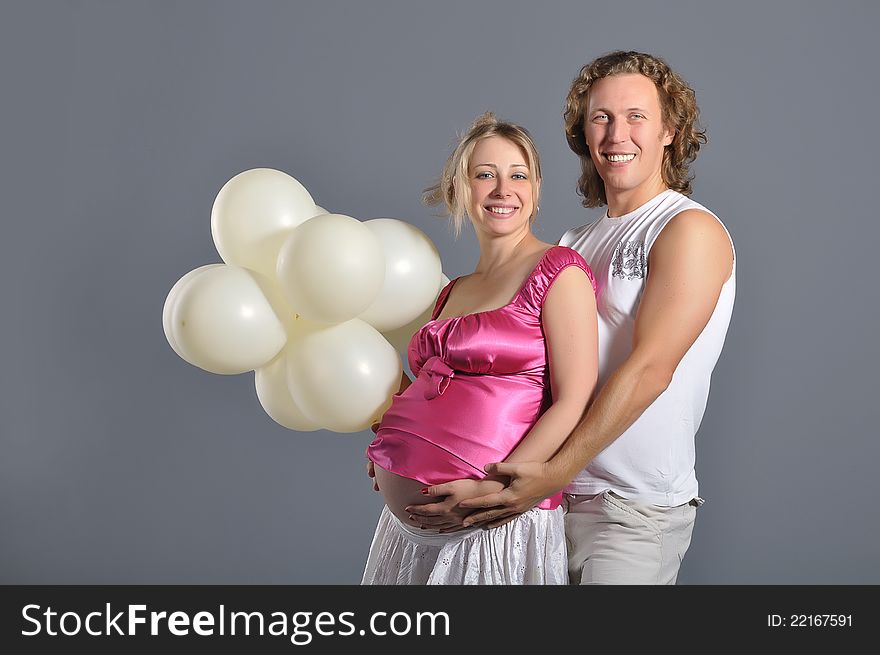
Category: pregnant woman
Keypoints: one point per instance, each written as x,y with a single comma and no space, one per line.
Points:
504,369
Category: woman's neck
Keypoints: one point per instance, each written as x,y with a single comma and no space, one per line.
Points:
496,252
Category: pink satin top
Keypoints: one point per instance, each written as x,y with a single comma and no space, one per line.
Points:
482,382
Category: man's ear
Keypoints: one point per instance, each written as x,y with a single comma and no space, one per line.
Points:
668,137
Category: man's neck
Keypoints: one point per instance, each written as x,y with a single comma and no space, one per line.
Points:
625,202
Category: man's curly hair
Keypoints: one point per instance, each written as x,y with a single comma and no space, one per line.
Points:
680,114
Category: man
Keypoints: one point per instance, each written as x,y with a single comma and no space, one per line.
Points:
666,278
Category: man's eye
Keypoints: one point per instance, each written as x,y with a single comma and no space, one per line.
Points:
637,116
600,117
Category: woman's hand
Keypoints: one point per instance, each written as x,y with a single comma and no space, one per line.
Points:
371,471
447,515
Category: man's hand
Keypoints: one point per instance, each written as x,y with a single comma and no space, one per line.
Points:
447,515
530,483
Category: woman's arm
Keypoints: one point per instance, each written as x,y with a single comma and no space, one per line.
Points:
404,383
371,471
571,331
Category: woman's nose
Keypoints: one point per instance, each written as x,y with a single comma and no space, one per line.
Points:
501,190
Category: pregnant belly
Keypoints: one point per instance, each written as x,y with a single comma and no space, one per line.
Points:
400,492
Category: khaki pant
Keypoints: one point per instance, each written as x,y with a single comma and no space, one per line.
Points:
613,540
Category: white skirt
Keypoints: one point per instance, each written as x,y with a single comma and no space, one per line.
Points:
530,550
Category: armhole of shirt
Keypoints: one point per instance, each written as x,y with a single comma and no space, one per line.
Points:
650,245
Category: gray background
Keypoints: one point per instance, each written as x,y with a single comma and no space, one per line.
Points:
120,463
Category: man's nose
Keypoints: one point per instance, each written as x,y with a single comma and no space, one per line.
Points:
618,131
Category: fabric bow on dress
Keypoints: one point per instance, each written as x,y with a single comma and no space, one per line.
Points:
437,375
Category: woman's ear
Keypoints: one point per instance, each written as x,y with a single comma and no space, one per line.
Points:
536,200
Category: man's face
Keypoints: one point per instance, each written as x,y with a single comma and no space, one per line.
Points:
625,132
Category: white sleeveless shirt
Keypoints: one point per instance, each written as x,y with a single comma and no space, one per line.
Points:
653,461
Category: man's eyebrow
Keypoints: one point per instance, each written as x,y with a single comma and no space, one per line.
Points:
603,109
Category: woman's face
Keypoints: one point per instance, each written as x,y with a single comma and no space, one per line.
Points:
501,187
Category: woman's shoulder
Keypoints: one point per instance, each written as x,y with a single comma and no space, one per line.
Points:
555,260
558,258
565,256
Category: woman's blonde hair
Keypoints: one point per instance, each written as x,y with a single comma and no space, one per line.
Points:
680,114
453,188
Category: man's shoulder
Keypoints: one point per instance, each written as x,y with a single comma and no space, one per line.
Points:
680,204
682,214
570,236
693,222
694,234
687,214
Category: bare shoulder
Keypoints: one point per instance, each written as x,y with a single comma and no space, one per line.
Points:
695,224
539,251
571,288
697,236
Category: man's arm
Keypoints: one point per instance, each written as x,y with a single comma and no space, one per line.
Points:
689,263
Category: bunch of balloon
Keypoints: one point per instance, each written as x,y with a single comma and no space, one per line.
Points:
317,304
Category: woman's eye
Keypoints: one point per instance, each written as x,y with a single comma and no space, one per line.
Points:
520,176
484,175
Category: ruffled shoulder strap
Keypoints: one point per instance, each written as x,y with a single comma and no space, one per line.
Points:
551,264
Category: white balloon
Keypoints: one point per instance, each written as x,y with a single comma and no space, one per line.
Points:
252,215
401,337
223,323
331,268
274,396
412,271
171,301
274,294
320,210
343,376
